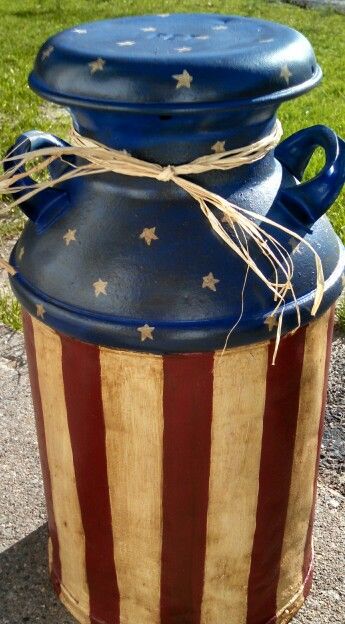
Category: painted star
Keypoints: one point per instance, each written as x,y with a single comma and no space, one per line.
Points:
149,29
80,31
218,147
220,27
209,281
227,219
21,253
183,80
294,244
97,65
47,52
145,332
125,43
69,236
148,235
40,311
286,74
271,322
100,287
183,49
202,37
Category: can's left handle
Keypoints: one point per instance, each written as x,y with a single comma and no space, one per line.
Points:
47,205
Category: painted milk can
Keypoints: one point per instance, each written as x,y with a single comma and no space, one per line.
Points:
180,477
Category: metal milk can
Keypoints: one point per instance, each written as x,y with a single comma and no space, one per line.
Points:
180,477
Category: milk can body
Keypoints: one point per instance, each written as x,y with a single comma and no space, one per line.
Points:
180,477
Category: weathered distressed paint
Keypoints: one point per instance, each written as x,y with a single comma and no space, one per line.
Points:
237,423
132,392
181,494
74,587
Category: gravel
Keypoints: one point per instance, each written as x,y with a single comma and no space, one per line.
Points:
25,593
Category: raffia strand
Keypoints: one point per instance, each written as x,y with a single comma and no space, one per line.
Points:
98,159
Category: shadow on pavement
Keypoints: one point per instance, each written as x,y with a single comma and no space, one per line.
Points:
25,591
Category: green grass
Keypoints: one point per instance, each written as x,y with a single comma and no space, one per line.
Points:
10,312
25,24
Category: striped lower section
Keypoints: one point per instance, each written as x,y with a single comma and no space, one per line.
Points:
277,450
303,466
181,488
132,388
308,549
54,551
187,408
83,396
237,425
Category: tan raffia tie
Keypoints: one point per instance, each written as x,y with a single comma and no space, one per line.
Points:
100,159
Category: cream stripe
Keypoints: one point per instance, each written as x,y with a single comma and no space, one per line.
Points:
60,459
132,390
237,425
303,469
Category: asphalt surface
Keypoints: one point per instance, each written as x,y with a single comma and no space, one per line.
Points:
25,593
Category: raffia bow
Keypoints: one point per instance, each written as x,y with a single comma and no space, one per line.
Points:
100,159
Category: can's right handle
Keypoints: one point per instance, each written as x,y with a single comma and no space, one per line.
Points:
308,201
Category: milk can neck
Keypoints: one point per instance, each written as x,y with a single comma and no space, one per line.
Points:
174,138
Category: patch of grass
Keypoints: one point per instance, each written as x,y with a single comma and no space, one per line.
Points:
10,312
12,226
25,25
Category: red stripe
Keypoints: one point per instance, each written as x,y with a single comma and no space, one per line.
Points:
279,432
82,381
187,404
36,397
308,545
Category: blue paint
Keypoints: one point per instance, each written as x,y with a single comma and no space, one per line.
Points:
50,204
133,104
240,62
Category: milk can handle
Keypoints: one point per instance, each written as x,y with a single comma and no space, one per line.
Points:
310,200
50,203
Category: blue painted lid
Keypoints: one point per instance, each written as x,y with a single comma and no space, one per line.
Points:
175,61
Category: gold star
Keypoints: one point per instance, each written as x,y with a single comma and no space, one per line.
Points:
97,65
21,253
146,332
183,80
149,234
218,147
220,27
100,287
271,322
40,311
227,219
285,73
209,281
149,29
47,52
183,49
69,236
294,244
202,37
125,43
